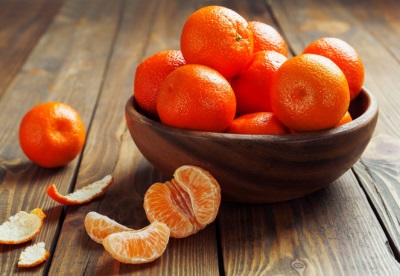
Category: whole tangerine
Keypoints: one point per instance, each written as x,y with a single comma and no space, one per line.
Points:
258,123
196,97
252,86
149,75
309,93
217,37
267,37
52,134
344,56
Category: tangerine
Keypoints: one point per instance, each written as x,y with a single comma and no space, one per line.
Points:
187,203
217,37
138,246
346,119
52,134
149,75
196,97
266,37
258,123
309,93
252,86
345,56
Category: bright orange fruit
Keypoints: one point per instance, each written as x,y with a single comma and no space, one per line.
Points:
345,56
258,123
99,226
252,86
346,119
267,37
187,203
196,97
138,246
149,75
51,134
309,93
217,37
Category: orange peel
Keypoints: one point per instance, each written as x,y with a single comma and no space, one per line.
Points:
33,255
83,195
99,226
22,227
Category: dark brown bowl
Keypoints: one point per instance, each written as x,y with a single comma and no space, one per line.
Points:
259,168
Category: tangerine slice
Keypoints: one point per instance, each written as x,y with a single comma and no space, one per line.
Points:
82,195
22,227
99,226
33,255
138,246
187,203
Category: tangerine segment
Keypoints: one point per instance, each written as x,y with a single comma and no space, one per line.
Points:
160,206
98,226
139,246
22,227
187,203
33,255
82,195
204,192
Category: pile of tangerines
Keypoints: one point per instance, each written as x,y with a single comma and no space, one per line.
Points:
232,75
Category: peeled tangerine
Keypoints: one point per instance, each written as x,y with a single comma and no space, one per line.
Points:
187,203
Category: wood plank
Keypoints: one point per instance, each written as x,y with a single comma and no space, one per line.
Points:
21,25
156,26
331,232
365,29
67,65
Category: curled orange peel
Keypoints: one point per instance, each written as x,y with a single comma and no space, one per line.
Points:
82,195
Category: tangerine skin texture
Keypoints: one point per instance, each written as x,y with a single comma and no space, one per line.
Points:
217,37
196,97
51,134
252,86
310,93
258,123
149,75
344,56
267,37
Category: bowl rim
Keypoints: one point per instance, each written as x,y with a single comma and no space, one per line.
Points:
371,111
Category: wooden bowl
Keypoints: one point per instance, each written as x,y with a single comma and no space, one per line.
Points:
259,168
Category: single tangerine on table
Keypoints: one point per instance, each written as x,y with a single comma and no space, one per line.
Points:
258,123
52,134
217,37
344,56
187,203
149,75
309,93
252,86
266,37
196,97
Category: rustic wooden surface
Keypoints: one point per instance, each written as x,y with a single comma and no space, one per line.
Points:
85,53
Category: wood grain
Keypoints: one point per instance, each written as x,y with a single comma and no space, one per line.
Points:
110,149
21,26
332,232
67,65
366,26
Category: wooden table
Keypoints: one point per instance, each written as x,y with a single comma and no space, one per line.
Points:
85,53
